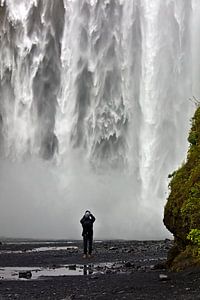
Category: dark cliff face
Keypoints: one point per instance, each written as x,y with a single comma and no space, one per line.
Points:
182,211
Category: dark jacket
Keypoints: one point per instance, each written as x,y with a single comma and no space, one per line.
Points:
87,224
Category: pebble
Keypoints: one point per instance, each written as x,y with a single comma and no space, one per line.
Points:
128,264
121,292
94,277
113,248
152,267
163,277
25,274
72,267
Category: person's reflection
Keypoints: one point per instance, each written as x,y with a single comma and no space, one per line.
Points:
87,270
90,270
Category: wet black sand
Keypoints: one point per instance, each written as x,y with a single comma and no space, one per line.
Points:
118,270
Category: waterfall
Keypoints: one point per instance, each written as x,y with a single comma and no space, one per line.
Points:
94,112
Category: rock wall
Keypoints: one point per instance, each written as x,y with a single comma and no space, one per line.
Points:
182,211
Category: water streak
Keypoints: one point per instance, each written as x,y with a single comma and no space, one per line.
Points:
94,112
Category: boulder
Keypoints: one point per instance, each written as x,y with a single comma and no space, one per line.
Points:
25,274
182,211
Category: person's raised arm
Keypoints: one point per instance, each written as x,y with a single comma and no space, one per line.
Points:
93,218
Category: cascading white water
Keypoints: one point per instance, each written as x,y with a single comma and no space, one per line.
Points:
94,104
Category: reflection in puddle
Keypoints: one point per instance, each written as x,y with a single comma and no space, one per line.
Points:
88,270
14,273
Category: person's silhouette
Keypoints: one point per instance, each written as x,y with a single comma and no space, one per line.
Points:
87,224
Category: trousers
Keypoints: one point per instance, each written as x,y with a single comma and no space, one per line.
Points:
87,243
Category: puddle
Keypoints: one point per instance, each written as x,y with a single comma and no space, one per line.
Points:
41,249
13,273
36,242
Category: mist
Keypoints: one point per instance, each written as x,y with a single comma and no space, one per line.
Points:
39,200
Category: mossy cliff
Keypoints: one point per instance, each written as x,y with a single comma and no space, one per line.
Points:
182,211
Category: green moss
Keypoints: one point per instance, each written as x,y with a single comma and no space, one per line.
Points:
193,137
190,212
188,257
182,211
194,237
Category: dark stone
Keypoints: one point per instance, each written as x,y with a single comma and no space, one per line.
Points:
163,277
25,274
128,264
72,267
160,266
94,277
167,240
129,250
113,248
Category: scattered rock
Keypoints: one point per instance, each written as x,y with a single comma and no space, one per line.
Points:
160,266
72,267
128,264
103,281
108,271
129,250
143,268
163,277
113,248
94,277
54,266
138,267
120,292
152,267
25,274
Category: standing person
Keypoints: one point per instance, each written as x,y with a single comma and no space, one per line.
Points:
87,224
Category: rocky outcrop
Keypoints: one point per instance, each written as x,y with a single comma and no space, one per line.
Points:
182,211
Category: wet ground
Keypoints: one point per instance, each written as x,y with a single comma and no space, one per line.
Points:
117,270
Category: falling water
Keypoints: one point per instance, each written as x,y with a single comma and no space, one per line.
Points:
94,112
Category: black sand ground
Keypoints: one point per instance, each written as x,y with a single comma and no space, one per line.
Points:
133,274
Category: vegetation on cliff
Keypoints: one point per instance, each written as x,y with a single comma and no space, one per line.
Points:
182,211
